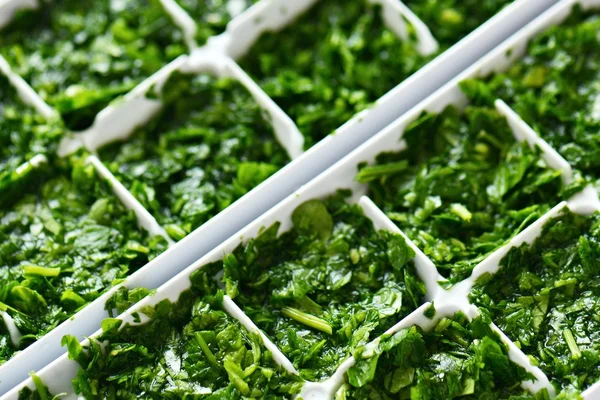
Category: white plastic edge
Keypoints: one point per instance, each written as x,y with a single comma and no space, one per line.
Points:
145,219
274,15
58,381
10,7
26,92
182,20
424,266
395,102
523,132
237,313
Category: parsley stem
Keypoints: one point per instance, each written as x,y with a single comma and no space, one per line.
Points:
568,335
206,350
307,319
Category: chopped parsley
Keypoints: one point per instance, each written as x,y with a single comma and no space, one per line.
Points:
555,88
338,58
188,349
329,284
64,241
23,135
462,187
546,297
451,20
80,55
212,16
457,359
209,146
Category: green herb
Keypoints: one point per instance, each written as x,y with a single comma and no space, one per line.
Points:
212,16
64,242
331,63
546,297
81,55
188,349
457,359
23,134
40,393
462,187
339,57
451,20
555,88
327,285
124,298
210,145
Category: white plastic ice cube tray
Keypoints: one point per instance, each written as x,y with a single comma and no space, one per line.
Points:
119,120
59,373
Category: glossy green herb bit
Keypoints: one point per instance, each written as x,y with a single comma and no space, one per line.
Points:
41,391
210,145
462,187
212,16
330,283
80,55
188,349
451,20
63,243
331,63
546,297
555,89
457,359
23,134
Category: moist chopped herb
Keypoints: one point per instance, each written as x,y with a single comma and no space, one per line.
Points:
457,359
188,349
327,285
451,20
338,58
63,243
555,89
124,298
23,134
462,187
331,63
80,55
41,391
546,297
210,145
212,16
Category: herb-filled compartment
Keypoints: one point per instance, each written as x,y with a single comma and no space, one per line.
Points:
66,239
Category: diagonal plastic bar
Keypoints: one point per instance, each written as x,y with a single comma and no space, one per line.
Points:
237,313
145,219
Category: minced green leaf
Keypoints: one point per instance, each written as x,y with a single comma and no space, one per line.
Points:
546,297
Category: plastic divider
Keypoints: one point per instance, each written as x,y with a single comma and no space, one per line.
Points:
523,132
491,264
10,7
275,15
183,21
516,355
145,219
424,266
106,124
396,15
26,92
236,312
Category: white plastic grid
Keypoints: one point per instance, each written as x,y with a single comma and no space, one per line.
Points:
137,109
447,301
